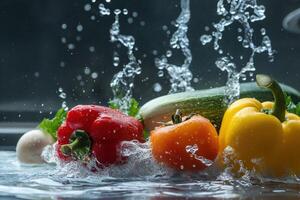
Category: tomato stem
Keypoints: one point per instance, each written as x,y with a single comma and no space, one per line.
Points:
267,82
177,117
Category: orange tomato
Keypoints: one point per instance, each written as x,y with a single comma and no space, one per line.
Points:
191,145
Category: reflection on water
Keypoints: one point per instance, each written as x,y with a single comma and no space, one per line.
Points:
44,181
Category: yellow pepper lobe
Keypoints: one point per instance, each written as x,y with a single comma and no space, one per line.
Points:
263,136
254,136
291,145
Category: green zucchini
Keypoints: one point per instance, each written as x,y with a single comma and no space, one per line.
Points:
208,103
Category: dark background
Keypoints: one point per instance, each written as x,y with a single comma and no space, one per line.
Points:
34,62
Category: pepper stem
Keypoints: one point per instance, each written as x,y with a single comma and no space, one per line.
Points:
177,117
79,146
267,82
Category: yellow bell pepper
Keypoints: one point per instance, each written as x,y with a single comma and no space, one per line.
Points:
261,136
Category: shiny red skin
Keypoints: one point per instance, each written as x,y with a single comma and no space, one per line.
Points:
106,127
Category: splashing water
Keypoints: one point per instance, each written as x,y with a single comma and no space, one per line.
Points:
192,149
123,82
140,163
243,12
180,76
62,95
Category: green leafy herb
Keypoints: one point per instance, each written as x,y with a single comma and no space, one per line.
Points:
132,110
112,104
50,126
291,106
146,134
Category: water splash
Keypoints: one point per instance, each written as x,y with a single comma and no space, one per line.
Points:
243,12
180,76
193,149
62,95
122,83
140,163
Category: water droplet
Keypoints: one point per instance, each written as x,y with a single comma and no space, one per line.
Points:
79,28
63,40
64,26
160,73
94,75
142,23
169,53
125,11
205,39
36,74
71,46
87,7
92,49
87,71
157,87
135,14
130,20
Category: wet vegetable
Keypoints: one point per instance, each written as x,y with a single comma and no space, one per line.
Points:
30,145
188,145
96,131
208,103
263,136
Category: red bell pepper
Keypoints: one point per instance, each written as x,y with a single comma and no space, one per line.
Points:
96,131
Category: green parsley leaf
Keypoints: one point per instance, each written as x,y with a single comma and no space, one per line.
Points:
132,110
112,104
146,134
51,126
291,106
133,107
